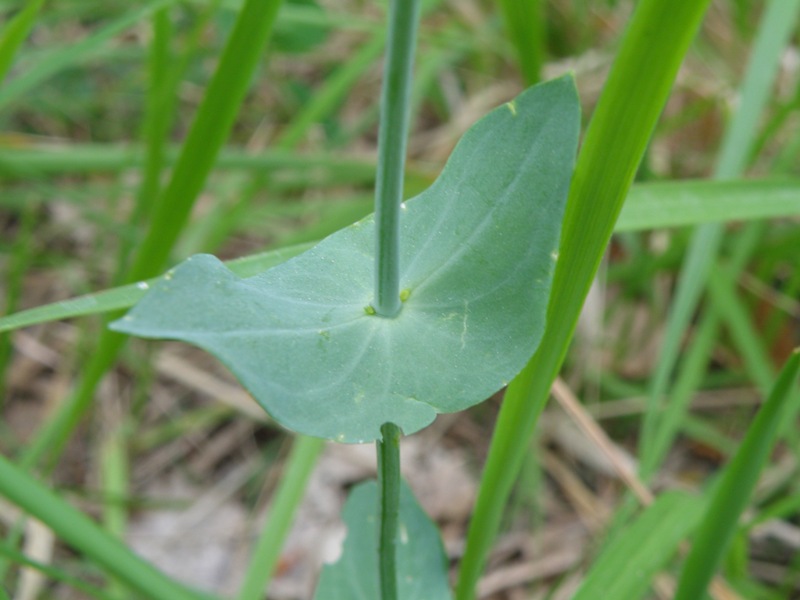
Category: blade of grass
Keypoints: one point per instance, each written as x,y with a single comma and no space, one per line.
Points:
208,132
722,293
14,34
80,532
299,466
8,552
30,160
322,103
681,203
210,129
694,365
155,131
624,119
773,34
163,105
627,567
525,23
336,88
114,477
59,59
125,296
17,264
736,484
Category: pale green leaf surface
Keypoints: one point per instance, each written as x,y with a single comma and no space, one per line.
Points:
421,562
627,567
478,250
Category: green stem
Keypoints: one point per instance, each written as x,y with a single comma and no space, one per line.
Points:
392,133
389,486
299,466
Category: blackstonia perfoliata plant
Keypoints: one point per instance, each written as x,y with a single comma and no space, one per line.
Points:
477,254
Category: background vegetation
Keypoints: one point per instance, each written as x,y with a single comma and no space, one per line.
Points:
104,131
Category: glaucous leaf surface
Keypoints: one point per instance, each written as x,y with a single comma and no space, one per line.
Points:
477,254
421,562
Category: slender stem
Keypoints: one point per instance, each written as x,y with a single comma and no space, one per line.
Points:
392,133
389,485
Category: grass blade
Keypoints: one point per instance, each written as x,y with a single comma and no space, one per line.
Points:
632,100
208,132
159,109
125,296
60,59
681,203
299,465
15,33
773,35
80,532
737,483
627,567
757,363
693,366
525,23
7,551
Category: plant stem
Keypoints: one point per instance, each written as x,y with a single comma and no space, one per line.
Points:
389,486
392,133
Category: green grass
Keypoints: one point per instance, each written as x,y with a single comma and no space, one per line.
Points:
133,137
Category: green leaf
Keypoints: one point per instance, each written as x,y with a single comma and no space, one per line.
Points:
478,250
627,567
421,562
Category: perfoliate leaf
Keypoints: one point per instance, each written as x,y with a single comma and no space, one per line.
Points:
477,254
421,562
